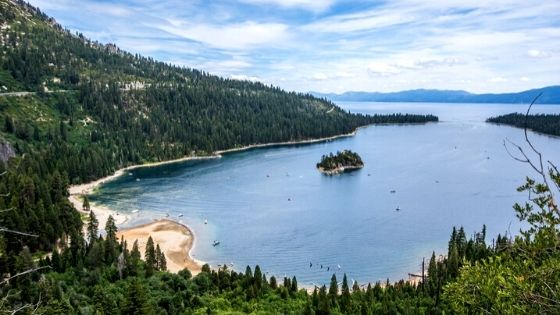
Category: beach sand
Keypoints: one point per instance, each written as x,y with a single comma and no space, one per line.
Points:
174,239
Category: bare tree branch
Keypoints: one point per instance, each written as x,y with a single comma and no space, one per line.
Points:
23,273
17,232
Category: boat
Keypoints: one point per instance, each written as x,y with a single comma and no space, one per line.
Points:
216,243
167,215
180,215
393,191
398,209
138,179
135,210
205,221
130,174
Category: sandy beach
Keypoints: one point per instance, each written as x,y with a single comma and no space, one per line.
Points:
175,240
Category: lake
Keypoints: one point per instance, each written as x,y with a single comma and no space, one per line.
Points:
272,207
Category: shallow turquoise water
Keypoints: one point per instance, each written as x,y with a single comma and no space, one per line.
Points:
273,208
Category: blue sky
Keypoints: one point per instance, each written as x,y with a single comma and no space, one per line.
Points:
337,45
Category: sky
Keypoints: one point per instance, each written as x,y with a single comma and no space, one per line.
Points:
336,45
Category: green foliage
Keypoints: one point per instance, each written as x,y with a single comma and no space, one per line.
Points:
524,278
545,123
344,159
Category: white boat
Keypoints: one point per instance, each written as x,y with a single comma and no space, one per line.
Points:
216,243
205,221
180,215
135,210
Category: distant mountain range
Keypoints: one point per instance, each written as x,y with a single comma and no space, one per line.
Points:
550,95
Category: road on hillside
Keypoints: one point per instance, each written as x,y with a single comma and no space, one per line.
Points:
32,93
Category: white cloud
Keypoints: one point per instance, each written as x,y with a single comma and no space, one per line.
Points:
243,77
111,9
535,53
498,79
353,23
383,69
230,36
312,5
320,76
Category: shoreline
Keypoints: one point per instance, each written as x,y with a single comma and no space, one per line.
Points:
176,241
339,170
77,192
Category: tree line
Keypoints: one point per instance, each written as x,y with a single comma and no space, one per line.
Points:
544,123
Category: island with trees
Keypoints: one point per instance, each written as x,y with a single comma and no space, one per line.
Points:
341,162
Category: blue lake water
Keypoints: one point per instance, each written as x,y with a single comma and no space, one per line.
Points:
273,208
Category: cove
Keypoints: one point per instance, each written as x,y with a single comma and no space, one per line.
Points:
271,207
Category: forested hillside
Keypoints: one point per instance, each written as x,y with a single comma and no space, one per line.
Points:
548,124
74,110
89,109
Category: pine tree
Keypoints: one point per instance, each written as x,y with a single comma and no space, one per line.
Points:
150,257
161,260
345,295
134,261
273,283
85,205
294,287
92,229
258,279
324,304
111,240
333,291
432,275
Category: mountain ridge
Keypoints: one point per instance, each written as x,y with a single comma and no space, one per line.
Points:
550,95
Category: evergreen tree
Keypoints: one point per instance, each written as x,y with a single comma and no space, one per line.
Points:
92,229
150,257
345,295
134,261
333,291
111,240
85,205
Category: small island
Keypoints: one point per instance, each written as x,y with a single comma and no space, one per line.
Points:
339,163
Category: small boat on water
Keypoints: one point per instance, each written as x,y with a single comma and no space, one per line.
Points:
167,215
180,215
138,179
398,209
393,191
216,243
135,210
205,221
130,174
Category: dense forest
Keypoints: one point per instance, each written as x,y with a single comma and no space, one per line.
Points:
544,123
345,159
92,108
